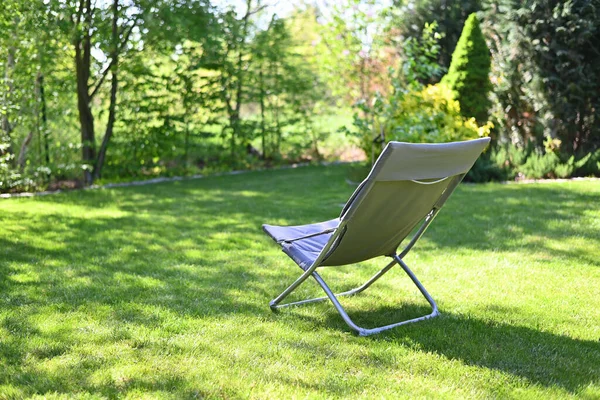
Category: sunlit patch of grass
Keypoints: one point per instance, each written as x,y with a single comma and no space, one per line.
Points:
162,292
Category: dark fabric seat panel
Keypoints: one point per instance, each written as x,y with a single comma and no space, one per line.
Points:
279,233
304,251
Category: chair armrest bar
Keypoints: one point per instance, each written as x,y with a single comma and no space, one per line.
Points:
330,230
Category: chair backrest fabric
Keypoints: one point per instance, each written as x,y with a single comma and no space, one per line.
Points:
407,181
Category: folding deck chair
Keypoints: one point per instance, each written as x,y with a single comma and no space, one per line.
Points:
408,184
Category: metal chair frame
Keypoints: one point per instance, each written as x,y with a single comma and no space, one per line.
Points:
397,259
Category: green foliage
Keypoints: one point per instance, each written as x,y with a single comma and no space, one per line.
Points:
197,86
550,165
370,118
408,18
499,163
207,87
591,166
350,49
413,112
486,169
419,57
517,100
539,166
508,162
289,93
545,72
562,40
7,175
468,75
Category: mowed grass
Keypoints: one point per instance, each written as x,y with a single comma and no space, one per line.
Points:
162,291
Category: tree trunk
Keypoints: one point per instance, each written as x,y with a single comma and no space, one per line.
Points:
186,145
239,73
6,125
86,119
109,127
277,124
82,68
23,151
233,122
45,132
113,94
263,132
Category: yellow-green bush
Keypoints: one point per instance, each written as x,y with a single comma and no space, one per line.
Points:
431,115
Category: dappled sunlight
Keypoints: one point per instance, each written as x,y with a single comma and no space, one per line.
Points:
134,290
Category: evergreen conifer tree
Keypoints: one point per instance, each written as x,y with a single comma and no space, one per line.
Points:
468,75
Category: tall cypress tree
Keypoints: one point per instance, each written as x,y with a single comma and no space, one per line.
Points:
468,75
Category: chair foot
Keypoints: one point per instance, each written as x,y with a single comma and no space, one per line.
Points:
368,332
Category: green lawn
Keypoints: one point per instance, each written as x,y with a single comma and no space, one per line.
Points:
162,291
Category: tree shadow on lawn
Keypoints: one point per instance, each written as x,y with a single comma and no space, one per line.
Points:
539,357
187,246
297,195
517,218
480,217
103,267
182,222
189,241
105,261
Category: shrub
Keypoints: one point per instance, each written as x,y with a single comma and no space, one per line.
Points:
498,164
508,162
432,115
591,166
468,75
487,169
539,166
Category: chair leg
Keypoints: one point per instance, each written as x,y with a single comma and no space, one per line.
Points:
274,303
364,331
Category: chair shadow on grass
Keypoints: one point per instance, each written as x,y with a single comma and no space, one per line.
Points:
517,217
541,358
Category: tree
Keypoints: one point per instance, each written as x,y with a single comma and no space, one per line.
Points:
351,51
228,58
517,98
83,25
286,87
409,18
562,39
25,49
468,75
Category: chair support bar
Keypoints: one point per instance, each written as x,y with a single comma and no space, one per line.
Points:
333,297
347,293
